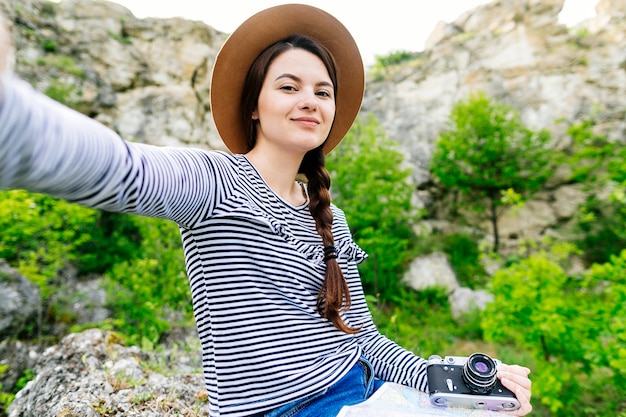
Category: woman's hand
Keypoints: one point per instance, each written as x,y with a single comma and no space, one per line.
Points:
515,378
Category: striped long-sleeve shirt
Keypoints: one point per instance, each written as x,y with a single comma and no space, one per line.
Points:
254,261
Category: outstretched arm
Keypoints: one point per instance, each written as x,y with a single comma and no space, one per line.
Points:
49,148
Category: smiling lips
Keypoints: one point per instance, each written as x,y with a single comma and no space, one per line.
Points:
307,121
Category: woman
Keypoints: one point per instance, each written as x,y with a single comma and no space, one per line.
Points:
278,302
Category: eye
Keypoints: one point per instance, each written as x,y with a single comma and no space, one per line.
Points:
288,87
324,93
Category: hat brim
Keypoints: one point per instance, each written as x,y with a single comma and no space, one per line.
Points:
261,30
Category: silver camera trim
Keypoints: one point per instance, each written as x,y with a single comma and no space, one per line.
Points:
476,402
491,402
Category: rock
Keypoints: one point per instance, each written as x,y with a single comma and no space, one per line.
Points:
20,300
567,199
528,222
18,357
429,271
90,374
464,300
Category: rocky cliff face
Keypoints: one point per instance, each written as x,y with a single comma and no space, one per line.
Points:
146,78
517,52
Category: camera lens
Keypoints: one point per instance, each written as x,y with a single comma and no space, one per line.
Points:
479,373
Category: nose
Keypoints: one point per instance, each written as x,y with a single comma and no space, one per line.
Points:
308,101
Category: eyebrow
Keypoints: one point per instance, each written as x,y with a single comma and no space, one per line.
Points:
298,79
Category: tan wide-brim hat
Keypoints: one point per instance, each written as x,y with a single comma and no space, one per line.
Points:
260,31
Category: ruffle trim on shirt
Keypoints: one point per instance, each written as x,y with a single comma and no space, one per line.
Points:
346,248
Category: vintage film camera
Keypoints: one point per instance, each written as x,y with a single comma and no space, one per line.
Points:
468,382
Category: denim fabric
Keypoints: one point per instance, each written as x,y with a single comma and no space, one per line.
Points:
355,387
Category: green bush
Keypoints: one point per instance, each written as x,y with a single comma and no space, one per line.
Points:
41,235
149,291
372,186
422,323
599,164
6,398
464,255
573,326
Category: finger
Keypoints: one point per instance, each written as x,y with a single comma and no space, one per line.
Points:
521,392
523,396
516,369
517,378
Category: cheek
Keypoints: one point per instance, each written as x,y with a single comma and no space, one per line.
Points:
331,113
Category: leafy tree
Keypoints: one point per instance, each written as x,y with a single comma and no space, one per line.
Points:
372,187
574,327
486,151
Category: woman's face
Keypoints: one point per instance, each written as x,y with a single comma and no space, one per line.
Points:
296,105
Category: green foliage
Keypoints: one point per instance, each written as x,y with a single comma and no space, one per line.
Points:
121,38
7,397
394,58
602,231
574,327
28,375
40,235
147,291
600,165
589,152
464,255
49,45
463,252
408,319
487,151
115,237
373,189
60,92
61,62
395,62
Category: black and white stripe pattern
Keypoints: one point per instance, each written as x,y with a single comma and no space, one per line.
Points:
255,262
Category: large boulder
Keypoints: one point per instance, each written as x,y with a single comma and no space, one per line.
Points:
429,271
20,301
90,374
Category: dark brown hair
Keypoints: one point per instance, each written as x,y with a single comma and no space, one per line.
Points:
334,296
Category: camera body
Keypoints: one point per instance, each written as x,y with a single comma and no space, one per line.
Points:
468,382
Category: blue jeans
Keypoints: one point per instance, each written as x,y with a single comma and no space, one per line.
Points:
355,387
